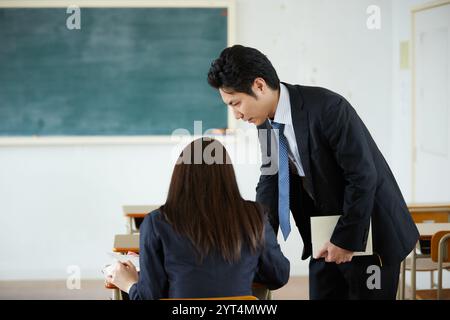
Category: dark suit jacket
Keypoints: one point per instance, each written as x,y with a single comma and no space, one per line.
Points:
345,173
169,267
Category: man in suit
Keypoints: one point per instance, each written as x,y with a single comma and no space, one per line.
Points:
328,164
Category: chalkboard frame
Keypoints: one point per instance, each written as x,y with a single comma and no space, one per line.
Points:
230,5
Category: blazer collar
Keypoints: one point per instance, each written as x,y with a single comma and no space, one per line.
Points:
301,129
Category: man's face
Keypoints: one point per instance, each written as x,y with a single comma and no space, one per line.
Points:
246,107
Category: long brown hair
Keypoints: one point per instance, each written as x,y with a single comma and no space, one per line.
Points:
204,203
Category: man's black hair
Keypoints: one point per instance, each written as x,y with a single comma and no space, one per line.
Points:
237,67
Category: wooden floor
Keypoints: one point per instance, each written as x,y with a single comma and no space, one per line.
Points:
296,289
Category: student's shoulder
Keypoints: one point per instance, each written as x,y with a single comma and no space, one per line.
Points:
260,208
155,226
153,218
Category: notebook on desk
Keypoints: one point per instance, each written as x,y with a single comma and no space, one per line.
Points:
322,228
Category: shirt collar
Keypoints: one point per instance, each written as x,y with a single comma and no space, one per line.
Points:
283,111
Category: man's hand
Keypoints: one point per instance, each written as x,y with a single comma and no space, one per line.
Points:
333,253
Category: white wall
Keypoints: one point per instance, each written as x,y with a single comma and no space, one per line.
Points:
401,97
61,205
401,163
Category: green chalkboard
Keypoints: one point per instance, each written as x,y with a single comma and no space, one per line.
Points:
127,71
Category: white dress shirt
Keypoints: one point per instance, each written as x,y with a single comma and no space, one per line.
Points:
283,115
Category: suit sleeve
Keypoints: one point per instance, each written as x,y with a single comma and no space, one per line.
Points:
346,135
273,267
153,281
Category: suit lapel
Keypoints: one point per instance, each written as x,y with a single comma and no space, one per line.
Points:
301,130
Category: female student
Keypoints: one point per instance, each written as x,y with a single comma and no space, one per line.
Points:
206,240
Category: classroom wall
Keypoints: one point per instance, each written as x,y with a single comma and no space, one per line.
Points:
401,97
401,156
61,205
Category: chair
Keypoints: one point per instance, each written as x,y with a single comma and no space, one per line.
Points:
424,263
440,253
216,298
260,291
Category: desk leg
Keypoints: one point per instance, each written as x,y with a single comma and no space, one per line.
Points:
401,285
433,284
404,279
413,275
116,294
130,225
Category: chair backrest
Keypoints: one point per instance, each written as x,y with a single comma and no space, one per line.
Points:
435,246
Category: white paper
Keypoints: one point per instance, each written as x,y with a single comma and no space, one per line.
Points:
322,229
116,257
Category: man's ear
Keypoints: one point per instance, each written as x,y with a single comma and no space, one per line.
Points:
259,85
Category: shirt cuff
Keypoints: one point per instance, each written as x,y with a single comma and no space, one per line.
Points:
130,288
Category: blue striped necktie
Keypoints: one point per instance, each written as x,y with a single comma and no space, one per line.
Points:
283,180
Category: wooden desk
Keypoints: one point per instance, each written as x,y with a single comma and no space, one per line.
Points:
135,212
433,212
126,242
426,206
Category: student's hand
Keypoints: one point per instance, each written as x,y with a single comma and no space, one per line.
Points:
333,253
124,275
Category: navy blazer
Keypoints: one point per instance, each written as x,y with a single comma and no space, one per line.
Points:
169,266
345,173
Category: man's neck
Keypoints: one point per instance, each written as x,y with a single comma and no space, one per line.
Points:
276,96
